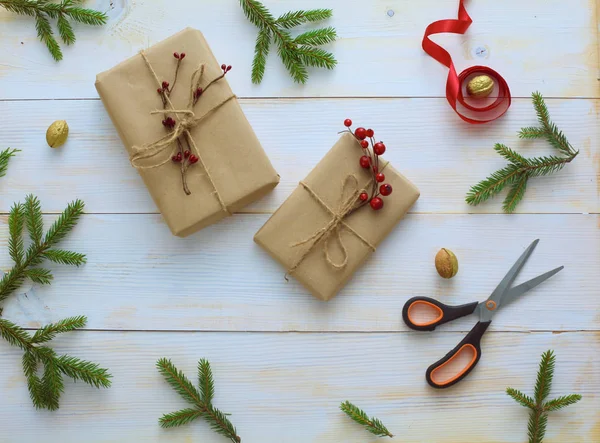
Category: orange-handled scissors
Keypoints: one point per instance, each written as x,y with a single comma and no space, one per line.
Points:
459,362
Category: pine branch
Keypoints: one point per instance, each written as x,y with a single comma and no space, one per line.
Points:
32,215
16,221
34,220
4,159
45,392
65,257
179,418
543,383
296,53
561,402
206,382
261,51
538,417
373,425
202,400
515,194
296,18
50,331
520,169
42,11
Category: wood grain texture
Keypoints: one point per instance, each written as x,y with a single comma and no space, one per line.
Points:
550,45
140,277
286,388
442,155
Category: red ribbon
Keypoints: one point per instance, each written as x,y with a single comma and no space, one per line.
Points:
486,110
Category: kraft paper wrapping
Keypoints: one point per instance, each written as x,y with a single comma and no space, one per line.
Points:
240,169
300,216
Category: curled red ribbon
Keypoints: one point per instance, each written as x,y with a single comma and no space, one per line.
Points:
485,110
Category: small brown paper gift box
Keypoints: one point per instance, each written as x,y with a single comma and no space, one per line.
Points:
233,170
289,234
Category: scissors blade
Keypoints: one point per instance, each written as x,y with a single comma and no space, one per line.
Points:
500,290
521,289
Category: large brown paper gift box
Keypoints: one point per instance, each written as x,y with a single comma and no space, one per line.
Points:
227,145
300,216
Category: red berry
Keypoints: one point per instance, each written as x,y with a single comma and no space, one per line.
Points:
379,148
223,67
228,68
376,203
179,156
174,158
360,133
176,55
363,197
193,159
159,90
347,123
182,56
186,153
165,85
380,177
365,162
370,133
385,190
364,144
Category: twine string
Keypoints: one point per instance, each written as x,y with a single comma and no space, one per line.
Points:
332,230
186,121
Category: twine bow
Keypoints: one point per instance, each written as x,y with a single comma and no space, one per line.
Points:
332,229
186,121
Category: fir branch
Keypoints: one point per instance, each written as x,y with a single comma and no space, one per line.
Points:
205,381
538,416
261,51
179,418
16,221
296,53
373,425
45,392
520,169
43,10
50,331
4,159
65,257
296,18
202,400
41,244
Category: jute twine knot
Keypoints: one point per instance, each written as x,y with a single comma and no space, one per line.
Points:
186,121
347,204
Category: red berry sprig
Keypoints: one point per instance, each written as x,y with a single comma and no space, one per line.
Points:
371,150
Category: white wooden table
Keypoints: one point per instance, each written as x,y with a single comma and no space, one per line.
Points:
284,361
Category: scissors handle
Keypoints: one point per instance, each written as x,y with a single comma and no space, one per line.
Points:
444,313
468,350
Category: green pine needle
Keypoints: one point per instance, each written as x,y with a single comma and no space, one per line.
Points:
5,156
42,11
296,53
65,257
202,400
538,417
373,425
520,169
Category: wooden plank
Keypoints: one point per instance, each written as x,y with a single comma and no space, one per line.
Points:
287,388
538,44
140,277
425,140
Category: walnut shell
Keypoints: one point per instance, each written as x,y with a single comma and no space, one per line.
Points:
446,263
57,133
480,86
